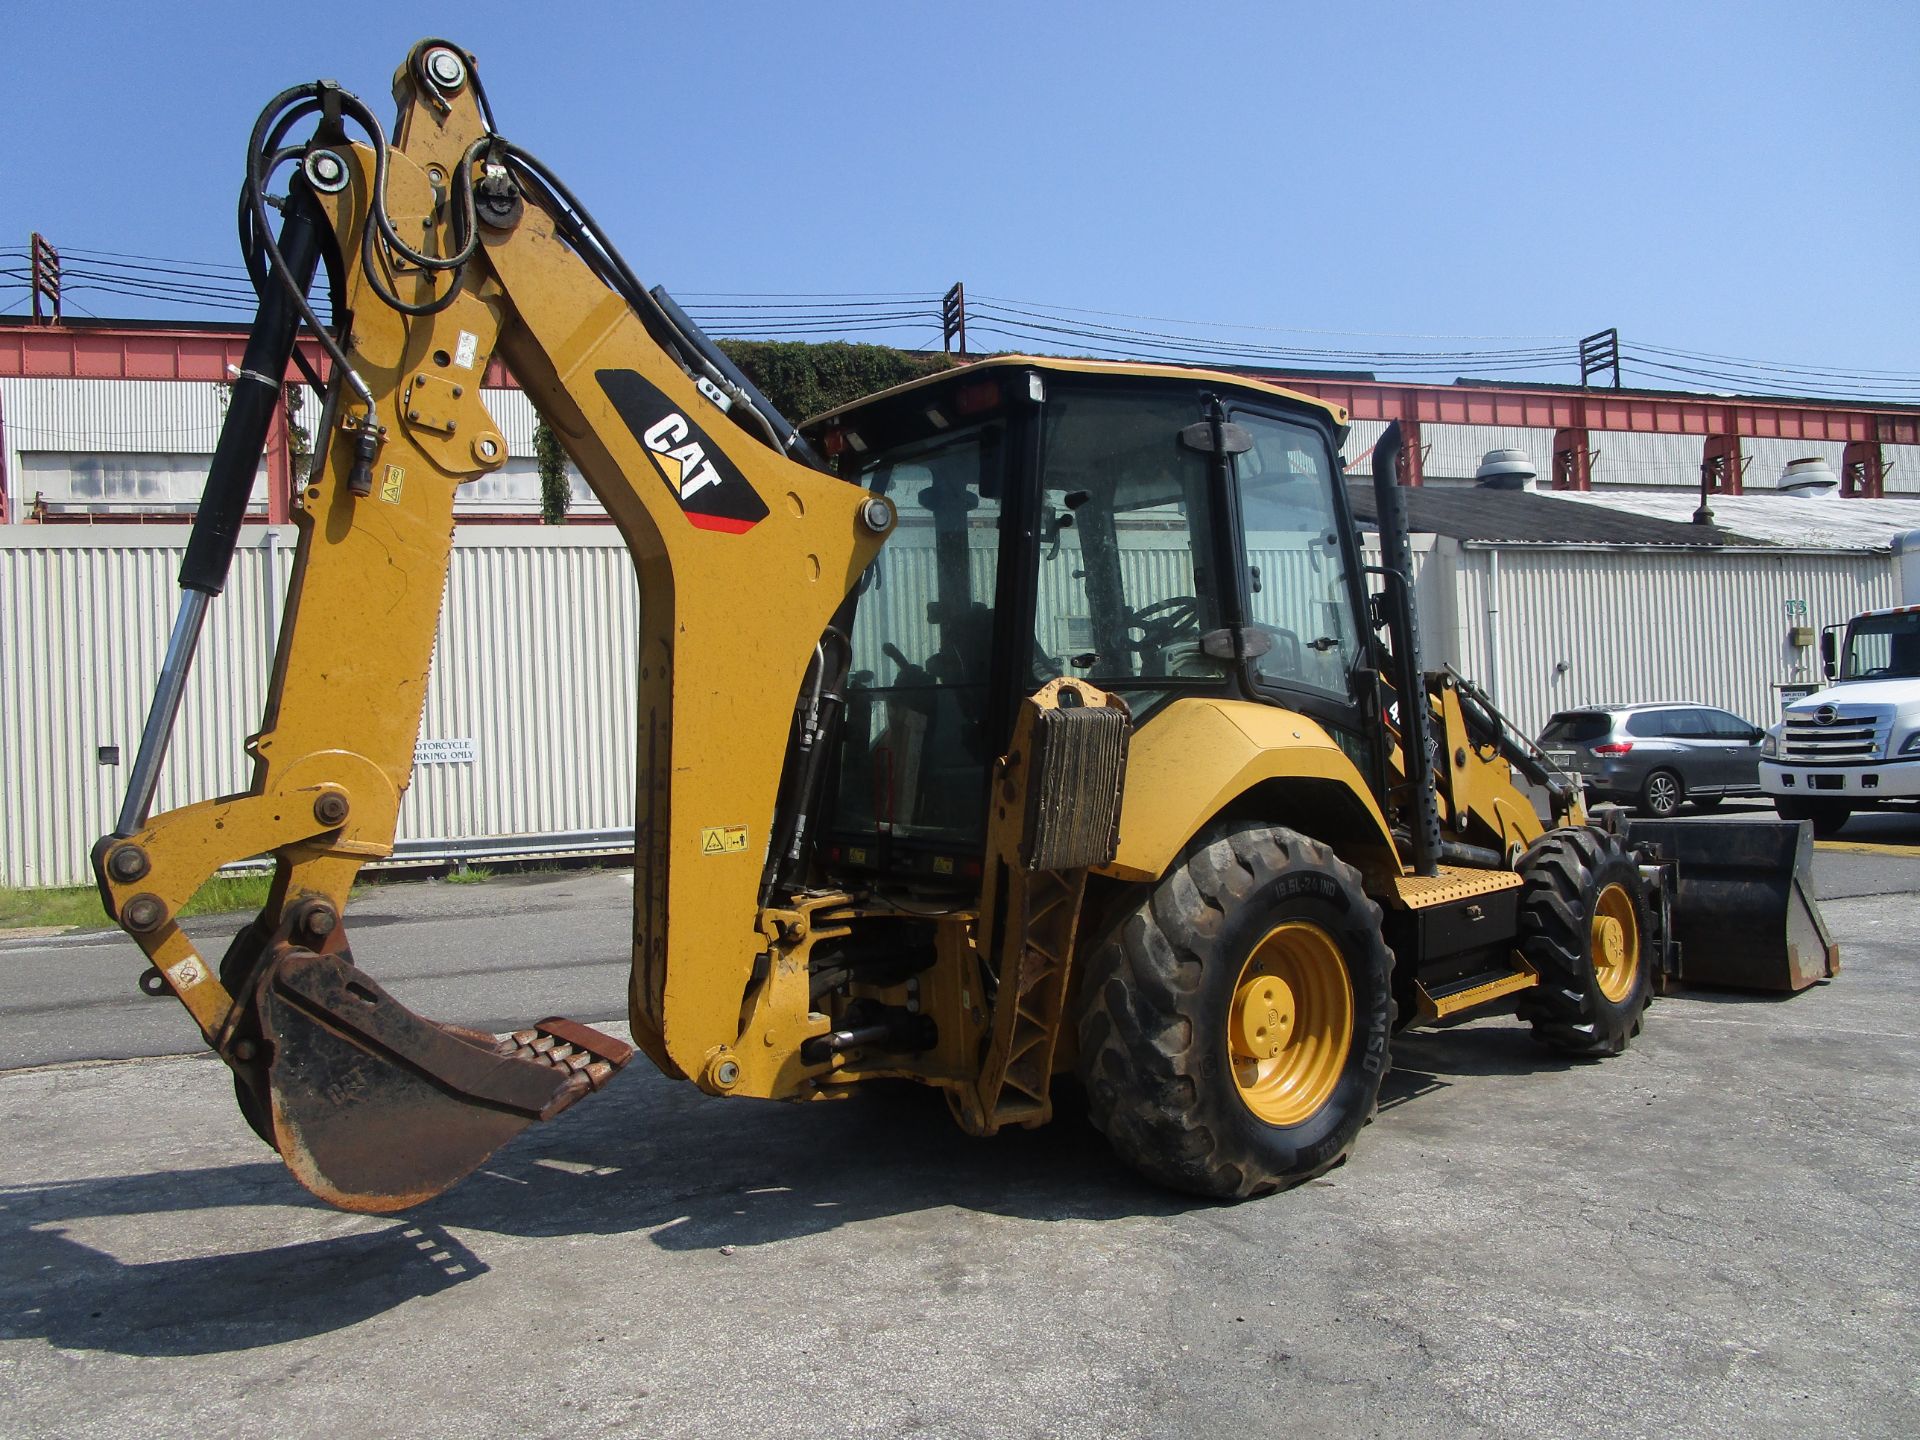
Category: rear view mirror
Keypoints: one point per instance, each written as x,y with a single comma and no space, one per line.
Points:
1829,662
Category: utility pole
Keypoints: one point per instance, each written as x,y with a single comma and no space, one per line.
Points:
46,279
953,319
1600,353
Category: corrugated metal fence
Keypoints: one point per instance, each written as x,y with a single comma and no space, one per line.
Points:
530,712
532,685
1575,627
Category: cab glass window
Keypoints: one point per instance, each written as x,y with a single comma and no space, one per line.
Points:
1299,599
913,749
1124,589
1883,647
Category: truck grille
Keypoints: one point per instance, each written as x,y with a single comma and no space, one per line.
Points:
1848,734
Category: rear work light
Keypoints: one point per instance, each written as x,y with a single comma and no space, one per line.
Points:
1617,747
977,398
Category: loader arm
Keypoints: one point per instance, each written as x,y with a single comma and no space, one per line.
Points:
742,554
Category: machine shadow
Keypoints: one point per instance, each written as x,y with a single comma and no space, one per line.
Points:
654,1158
78,1297
692,1173
1720,995
1428,1060
696,1173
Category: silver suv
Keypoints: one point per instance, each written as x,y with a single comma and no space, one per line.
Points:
1657,756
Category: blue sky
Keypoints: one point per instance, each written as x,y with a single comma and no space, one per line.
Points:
1730,179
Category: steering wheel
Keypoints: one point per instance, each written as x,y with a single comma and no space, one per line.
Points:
1285,650
1164,621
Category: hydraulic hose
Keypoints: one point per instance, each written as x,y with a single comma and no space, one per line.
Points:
256,395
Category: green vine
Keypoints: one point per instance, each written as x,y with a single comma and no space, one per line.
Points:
556,490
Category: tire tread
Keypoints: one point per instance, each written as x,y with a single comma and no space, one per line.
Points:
1140,1059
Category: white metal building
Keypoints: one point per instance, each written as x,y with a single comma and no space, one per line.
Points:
98,449
530,710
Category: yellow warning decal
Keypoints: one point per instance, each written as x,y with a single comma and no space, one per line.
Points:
723,839
390,484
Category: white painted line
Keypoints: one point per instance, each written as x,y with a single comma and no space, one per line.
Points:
64,942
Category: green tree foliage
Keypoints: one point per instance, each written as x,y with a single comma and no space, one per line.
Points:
800,379
299,450
556,491
803,380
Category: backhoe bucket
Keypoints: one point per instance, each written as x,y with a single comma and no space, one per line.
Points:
375,1108
1744,909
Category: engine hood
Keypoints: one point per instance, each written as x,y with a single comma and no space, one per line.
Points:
1900,694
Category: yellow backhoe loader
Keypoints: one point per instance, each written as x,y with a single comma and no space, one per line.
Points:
1043,717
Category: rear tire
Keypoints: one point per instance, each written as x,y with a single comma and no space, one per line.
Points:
1585,926
1827,815
1661,795
1233,1026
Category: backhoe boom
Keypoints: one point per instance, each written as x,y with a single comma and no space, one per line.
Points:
727,536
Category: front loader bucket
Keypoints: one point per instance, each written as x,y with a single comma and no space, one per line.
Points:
1744,909
375,1108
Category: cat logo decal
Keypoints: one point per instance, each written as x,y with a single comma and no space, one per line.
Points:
712,492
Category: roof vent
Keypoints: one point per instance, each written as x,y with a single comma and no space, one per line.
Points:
1811,478
1506,470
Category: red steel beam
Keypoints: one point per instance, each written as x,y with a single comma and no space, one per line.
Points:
1863,470
6,503
1572,460
1723,468
1556,408
68,353
108,353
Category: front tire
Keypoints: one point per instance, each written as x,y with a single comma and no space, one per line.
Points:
1234,1025
1586,927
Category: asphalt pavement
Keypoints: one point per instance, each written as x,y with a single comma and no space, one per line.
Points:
1711,1235
495,955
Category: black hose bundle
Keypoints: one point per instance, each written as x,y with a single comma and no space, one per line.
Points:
381,245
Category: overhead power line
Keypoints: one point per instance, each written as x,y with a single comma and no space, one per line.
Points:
1271,329
910,317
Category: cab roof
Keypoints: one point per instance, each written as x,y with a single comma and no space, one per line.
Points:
1061,365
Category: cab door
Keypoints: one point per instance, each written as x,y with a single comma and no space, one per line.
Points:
1299,570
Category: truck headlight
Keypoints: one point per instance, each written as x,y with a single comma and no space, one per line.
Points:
1770,743
1910,745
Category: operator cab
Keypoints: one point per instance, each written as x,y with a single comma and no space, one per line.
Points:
1156,532
1880,645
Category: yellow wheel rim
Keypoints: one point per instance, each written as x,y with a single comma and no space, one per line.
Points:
1291,1025
1613,941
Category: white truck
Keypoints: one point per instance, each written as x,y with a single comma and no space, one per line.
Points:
1854,745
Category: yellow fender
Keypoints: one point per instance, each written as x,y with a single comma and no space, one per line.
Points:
1194,758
